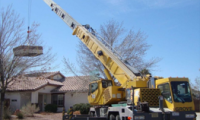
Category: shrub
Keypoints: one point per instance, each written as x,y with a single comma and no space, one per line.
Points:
20,115
82,107
29,109
51,108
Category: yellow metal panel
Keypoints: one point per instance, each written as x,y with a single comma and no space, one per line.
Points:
135,83
115,96
108,75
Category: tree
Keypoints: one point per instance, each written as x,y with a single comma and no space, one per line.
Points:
12,34
131,46
196,88
145,72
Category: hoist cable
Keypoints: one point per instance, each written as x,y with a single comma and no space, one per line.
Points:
29,18
29,11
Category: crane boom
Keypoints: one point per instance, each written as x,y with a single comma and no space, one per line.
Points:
62,14
119,69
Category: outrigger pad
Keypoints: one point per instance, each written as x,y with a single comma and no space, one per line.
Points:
28,51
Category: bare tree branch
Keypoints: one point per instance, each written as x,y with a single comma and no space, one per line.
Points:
195,87
13,34
131,46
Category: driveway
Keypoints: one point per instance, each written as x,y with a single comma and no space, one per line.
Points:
48,116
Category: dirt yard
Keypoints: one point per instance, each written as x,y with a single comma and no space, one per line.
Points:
42,116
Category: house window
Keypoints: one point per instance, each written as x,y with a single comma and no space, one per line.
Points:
58,99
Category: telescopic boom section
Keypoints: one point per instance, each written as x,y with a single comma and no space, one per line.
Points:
62,14
119,69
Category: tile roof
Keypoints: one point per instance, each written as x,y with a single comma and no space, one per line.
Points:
30,83
74,84
43,74
36,81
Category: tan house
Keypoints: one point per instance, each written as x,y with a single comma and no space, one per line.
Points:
47,88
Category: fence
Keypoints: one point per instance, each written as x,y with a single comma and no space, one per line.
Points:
197,105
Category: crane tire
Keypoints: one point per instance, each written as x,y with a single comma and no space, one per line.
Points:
117,117
111,117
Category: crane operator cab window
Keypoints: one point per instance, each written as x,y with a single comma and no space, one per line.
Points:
92,87
106,83
165,91
181,92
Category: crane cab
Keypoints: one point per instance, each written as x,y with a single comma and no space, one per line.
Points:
104,92
176,93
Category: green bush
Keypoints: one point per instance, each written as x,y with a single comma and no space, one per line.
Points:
84,108
20,115
51,108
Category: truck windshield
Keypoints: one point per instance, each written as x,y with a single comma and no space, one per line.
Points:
181,92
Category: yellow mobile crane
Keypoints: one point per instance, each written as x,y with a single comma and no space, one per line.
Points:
138,97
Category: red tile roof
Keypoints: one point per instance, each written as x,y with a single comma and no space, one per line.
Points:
35,81
74,84
30,83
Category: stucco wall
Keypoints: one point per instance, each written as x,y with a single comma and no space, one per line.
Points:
18,99
70,99
25,98
46,89
14,100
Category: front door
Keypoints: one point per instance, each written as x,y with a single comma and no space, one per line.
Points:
40,102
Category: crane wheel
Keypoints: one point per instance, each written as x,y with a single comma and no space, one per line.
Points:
111,117
92,114
117,117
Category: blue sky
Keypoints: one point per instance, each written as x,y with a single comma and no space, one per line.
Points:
173,28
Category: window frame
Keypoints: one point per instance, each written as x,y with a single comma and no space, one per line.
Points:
55,95
90,88
188,86
105,83
169,91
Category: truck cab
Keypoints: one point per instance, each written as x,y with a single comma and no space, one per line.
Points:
176,93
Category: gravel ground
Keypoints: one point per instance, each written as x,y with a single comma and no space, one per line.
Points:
50,116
